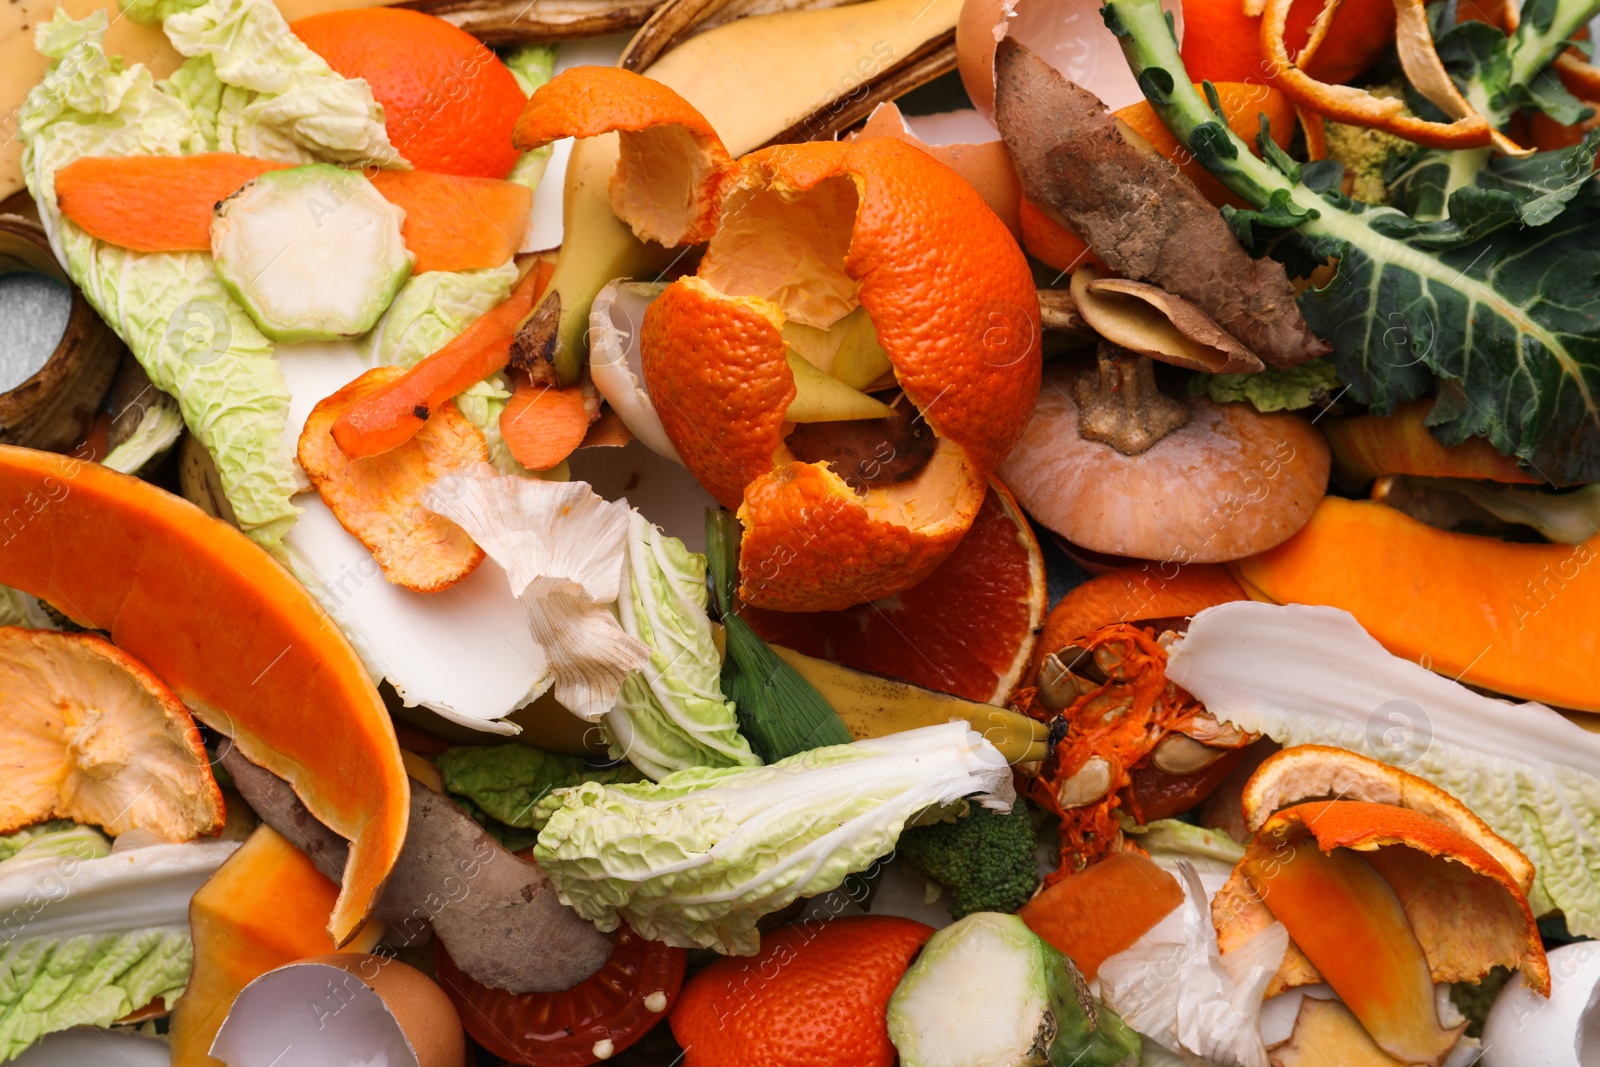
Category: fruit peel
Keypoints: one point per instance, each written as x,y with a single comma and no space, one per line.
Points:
1450,875
223,624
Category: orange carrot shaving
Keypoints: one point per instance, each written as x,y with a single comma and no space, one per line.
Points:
455,222
392,415
1358,107
1581,78
542,424
153,203
165,203
1120,721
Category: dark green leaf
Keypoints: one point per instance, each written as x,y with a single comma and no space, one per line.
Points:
1545,182
779,712
1509,320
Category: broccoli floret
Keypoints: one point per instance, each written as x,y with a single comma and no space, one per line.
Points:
985,860
1365,153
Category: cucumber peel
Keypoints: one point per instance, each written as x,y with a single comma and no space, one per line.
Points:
311,253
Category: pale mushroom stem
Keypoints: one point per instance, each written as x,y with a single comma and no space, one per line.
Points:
1121,405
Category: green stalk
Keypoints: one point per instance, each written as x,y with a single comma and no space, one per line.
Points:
779,711
1151,49
1534,46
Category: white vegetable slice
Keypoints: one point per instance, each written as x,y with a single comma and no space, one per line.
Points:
1312,675
312,253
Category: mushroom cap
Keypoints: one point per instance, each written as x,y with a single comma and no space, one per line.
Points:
1229,484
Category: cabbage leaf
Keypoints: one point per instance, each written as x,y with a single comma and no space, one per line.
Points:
671,714
698,857
92,937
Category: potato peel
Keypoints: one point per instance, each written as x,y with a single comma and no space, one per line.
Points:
379,499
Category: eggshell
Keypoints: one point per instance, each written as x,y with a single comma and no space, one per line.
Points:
1526,1030
1069,34
340,1009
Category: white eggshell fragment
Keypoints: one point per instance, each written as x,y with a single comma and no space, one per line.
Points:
85,1045
1526,1030
321,1014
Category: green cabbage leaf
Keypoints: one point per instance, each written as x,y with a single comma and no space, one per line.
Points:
91,933
250,86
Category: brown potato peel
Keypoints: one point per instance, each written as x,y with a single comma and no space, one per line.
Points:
1140,215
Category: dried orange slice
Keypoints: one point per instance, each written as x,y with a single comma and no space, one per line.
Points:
799,237
93,736
379,498
1315,772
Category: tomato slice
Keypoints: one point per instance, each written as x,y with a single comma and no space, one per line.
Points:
617,1004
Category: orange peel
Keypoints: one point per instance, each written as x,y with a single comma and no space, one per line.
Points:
1311,772
663,140
1358,107
805,234
1466,909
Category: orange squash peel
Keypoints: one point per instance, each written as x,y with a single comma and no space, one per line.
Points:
265,907
804,234
229,630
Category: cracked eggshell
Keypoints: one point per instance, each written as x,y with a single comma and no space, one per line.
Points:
1526,1030
341,1009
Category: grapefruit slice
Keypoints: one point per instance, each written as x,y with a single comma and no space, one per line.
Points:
967,629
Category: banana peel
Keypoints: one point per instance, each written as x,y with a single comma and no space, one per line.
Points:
874,706
834,63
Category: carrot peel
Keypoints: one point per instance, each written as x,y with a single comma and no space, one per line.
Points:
392,415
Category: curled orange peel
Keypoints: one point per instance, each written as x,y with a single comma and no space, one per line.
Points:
664,142
804,234
1358,107
1581,77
